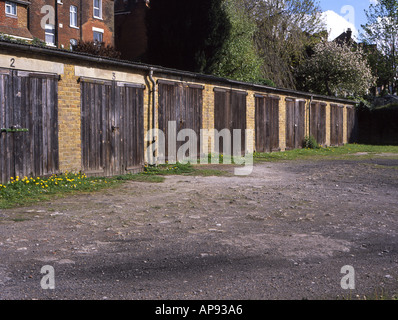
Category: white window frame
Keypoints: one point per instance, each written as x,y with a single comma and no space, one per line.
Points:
99,8
73,16
98,30
11,6
52,34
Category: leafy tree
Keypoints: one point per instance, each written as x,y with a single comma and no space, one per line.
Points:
187,34
336,70
381,29
381,69
239,60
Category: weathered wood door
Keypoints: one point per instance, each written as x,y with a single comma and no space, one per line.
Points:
112,127
318,122
351,121
29,123
336,125
182,104
295,123
267,123
230,114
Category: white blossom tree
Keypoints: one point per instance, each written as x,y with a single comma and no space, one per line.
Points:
336,69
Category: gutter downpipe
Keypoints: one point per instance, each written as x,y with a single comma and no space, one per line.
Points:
153,100
56,27
309,117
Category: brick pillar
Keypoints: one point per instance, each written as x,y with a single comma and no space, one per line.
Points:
327,124
282,123
345,130
69,119
250,120
208,113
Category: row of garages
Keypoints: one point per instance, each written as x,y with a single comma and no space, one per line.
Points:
112,121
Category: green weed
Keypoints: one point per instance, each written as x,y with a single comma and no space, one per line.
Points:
348,151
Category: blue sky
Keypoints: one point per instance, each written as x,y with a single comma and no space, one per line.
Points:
351,10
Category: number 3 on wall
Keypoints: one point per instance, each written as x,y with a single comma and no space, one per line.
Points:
12,63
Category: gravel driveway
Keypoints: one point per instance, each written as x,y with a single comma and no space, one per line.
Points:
284,232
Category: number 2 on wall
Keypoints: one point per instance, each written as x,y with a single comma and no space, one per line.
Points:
12,63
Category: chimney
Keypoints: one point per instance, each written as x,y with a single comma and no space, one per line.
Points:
349,33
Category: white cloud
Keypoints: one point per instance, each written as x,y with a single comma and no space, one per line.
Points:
336,25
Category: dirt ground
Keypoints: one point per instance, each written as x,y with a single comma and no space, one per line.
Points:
284,232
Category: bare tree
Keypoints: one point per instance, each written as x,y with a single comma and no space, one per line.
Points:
283,31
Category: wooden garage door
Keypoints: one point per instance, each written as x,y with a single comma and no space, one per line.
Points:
112,129
267,123
29,124
182,104
318,122
351,120
230,114
295,123
336,125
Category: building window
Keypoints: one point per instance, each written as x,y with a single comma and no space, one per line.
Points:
98,36
11,8
50,34
73,16
98,9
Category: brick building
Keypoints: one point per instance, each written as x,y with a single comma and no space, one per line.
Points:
14,19
130,28
64,22
59,23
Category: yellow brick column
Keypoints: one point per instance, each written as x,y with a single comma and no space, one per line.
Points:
282,123
307,117
250,120
148,113
208,114
345,130
327,124
69,119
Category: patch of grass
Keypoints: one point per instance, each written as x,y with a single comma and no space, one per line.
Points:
191,169
23,190
147,178
140,177
168,169
348,151
209,172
